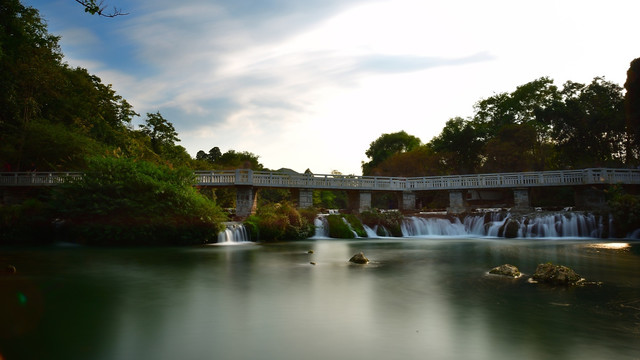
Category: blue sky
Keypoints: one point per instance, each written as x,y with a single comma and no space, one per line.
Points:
310,84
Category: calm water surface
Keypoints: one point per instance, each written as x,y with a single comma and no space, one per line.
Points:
418,299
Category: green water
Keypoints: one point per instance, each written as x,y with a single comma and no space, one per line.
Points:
418,299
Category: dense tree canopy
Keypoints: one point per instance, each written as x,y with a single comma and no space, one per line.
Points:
536,127
387,145
53,116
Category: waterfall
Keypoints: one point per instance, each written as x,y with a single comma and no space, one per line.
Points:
322,227
496,224
234,233
418,226
570,224
371,233
346,222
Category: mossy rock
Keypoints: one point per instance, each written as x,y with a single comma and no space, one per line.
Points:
506,270
359,258
556,275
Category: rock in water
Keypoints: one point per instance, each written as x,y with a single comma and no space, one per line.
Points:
511,229
556,275
359,259
506,270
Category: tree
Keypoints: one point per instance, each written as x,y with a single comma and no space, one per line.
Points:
512,149
461,143
126,201
588,126
239,160
160,131
40,96
30,59
524,105
201,155
214,154
632,112
387,145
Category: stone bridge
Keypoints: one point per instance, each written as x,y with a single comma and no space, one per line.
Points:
587,183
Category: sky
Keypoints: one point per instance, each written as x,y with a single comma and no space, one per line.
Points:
309,84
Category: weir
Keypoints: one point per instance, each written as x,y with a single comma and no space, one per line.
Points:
498,225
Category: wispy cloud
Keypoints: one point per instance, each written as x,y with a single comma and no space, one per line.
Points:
270,76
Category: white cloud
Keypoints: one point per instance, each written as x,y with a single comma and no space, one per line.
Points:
311,84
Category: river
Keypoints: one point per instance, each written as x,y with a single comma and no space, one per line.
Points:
419,298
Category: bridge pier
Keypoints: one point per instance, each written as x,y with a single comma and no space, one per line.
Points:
359,200
457,203
407,200
521,199
246,201
303,198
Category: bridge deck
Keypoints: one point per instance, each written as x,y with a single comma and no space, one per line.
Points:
349,182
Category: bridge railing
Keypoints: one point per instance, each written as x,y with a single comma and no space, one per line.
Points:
36,178
346,182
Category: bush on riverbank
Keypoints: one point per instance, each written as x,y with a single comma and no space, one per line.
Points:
390,220
625,209
25,224
279,222
121,201
345,226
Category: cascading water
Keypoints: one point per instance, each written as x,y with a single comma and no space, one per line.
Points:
322,227
234,233
494,225
418,226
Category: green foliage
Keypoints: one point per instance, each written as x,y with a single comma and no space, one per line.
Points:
338,228
461,143
97,7
345,226
123,201
329,199
279,222
390,220
588,126
625,209
536,127
387,145
26,223
512,149
161,132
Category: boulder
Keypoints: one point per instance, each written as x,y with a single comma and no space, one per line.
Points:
359,259
511,229
556,275
506,270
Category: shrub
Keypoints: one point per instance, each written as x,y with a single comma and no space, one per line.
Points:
27,223
278,222
390,220
625,209
123,201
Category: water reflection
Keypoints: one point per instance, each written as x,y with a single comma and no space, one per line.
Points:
418,298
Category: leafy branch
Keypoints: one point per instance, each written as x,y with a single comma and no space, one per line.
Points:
97,7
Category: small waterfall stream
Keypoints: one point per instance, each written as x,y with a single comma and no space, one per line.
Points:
322,227
234,233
